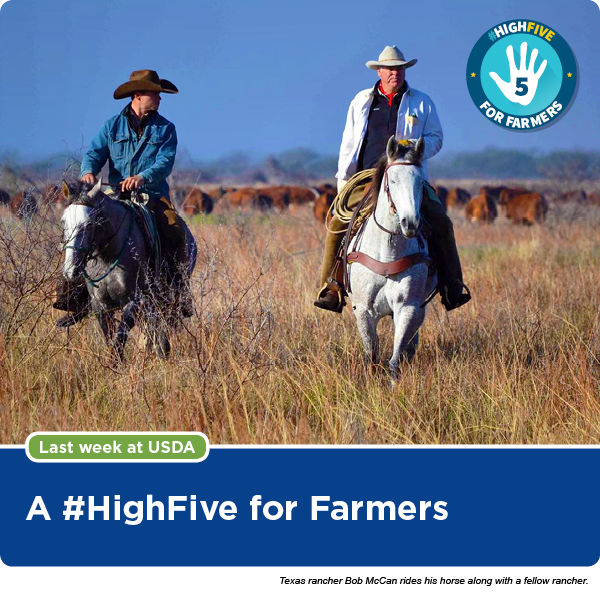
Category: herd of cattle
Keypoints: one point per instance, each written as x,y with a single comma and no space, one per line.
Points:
193,200
520,205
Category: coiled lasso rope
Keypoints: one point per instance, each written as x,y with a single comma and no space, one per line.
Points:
340,209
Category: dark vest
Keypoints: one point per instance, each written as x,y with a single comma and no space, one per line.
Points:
381,125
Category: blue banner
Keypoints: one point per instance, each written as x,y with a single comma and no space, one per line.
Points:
306,507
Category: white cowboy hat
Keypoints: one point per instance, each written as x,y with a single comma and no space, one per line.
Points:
391,56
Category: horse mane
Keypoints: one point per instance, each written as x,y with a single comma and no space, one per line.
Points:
407,153
78,193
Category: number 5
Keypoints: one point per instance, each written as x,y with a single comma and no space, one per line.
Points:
522,88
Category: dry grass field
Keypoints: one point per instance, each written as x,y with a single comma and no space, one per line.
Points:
259,364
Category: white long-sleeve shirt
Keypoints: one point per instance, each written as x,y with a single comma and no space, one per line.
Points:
417,117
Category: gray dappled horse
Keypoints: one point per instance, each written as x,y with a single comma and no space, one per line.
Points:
395,280
105,245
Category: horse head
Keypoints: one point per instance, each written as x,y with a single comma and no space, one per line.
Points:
78,222
402,182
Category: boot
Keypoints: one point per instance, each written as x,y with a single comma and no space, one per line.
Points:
331,295
452,294
450,284
72,297
442,247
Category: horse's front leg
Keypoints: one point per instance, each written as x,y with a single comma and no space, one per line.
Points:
407,321
108,324
130,312
367,327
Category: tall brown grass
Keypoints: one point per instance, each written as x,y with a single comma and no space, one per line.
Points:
259,364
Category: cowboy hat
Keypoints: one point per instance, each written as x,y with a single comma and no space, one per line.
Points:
144,80
391,56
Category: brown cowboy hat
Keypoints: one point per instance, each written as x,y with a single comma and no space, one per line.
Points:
144,80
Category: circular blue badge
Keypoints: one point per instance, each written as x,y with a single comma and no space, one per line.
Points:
522,75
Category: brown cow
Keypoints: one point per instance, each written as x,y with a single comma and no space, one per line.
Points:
246,198
23,204
526,208
457,197
301,195
593,198
507,194
326,187
196,202
481,208
280,196
53,195
237,197
323,203
442,193
216,193
492,192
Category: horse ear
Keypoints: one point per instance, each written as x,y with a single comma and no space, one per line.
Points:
95,190
420,148
392,149
66,191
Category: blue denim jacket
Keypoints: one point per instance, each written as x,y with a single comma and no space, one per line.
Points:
152,156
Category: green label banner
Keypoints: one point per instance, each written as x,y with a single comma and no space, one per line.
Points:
117,447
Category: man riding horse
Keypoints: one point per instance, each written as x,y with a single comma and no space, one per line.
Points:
391,108
140,147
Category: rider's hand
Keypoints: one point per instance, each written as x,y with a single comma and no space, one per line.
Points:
88,178
523,81
132,182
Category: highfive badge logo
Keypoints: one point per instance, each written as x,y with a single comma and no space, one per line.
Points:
522,75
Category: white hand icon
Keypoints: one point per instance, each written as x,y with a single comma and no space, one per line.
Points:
523,82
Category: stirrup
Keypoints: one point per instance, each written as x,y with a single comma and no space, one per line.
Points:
458,300
331,297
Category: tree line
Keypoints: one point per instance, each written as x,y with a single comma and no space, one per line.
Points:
302,165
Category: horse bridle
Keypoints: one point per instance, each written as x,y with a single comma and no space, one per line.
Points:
382,268
386,186
88,249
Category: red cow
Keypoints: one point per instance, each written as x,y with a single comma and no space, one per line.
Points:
323,203
457,198
280,196
23,204
301,195
526,208
197,202
481,208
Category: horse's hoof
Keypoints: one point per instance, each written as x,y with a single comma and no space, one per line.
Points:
163,346
71,319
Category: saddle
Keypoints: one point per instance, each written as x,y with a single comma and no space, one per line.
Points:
146,220
356,224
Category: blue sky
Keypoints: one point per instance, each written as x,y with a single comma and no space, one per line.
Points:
263,76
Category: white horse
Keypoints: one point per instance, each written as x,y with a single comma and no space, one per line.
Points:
392,240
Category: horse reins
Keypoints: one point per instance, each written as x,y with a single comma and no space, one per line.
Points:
382,268
88,249
386,186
